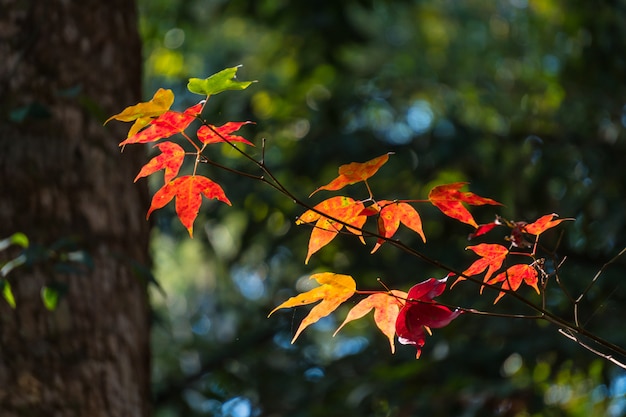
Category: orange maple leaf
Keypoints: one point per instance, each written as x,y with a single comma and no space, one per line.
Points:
188,190
344,209
354,172
390,215
449,200
386,309
216,134
143,113
492,257
542,224
334,290
512,278
166,125
170,159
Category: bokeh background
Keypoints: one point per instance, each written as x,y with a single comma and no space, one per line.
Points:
523,99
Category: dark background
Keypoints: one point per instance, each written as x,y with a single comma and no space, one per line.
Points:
525,100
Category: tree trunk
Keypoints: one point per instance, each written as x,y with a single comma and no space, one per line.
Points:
64,67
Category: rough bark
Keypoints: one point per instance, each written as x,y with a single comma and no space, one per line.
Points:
65,65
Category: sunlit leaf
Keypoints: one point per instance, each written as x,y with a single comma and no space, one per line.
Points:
491,258
216,83
449,200
542,224
188,191
219,134
344,209
143,113
166,125
512,278
334,290
386,309
354,172
170,159
420,313
391,214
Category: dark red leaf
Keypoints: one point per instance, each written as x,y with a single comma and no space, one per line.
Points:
420,313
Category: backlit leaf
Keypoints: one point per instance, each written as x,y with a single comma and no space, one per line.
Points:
512,278
449,200
170,159
218,134
334,290
188,191
491,258
216,83
343,209
143,113
354,172
542,224
386,309
391,214
166,125
420,313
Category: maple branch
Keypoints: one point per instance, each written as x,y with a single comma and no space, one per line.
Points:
597,276
565,327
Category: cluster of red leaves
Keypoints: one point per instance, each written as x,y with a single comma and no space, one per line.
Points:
492,256
333,214
409,316
155,121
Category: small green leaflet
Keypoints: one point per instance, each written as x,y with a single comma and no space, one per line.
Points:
216,83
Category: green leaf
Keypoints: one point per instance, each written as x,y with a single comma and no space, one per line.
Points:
7,293
50,298
216,83
51,294
18,238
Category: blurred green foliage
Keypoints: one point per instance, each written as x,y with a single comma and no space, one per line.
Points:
524,99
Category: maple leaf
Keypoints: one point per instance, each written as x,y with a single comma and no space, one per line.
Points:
341,208
354,172
390,215
420,313
512,278
492,257
483,229
334,290
218,82
213,134
143,113
542,224
386,309
188,190
449,200
166,125
170,159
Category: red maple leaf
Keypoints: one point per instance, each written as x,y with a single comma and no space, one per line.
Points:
483,229
390,215
217,134
386,309
449,200
354,172
420,313
344,209
188,190
492,257
512,278
166,125
170,159
542,224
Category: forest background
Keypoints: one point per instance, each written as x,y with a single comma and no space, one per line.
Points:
523,99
